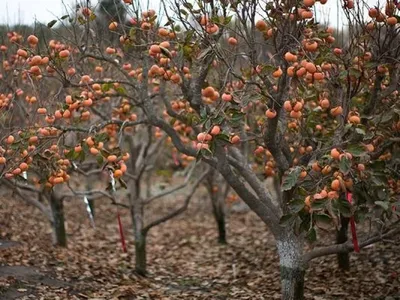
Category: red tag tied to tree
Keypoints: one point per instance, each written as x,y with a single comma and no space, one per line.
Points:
349,197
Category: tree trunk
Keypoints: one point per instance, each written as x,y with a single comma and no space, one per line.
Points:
57,209
217,198
219,215
138,224
140,254
341,237
292,268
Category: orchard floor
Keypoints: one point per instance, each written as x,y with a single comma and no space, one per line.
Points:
184,259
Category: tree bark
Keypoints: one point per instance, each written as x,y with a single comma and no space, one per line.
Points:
140,254
341,237
58,224
219,215
217,198
292,267
138,224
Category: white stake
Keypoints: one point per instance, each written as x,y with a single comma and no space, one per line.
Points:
89,210
112,180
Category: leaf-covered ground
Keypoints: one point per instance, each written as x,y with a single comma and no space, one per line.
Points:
184,259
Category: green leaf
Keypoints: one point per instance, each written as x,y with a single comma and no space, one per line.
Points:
81,156
70,155
223,137
305,224
323,221
356,150
51,23
64,17
370,65
101,137
203,112
347,127
354,72
187,51
218,120
165,52
85,147
382,195
312,235
360,131
99,159
344,165
132,32
316,205
121,90
237,117
386,117
286,219
188,5
227,20
344,207
296,206
290,180
382,204
378,180
172,121
361,214
105,87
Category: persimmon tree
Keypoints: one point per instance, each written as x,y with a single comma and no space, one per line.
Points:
321,120
74,126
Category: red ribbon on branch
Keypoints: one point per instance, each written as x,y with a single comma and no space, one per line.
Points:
349,197
121,233
175,158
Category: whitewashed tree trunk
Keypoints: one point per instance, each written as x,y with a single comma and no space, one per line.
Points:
291,266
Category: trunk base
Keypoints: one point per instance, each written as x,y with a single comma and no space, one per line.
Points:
59,232
292,280
140,256
291,266
221,231
341,237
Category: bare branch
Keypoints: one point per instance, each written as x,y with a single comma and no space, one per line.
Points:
257,205
179,210
253,181
173,189
349,247
29,198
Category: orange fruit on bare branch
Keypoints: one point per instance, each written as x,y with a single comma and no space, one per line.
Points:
232,41
235,139
277,73
32,40
261,25
270,113
113,26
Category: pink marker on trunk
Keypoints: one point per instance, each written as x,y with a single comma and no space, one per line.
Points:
349,197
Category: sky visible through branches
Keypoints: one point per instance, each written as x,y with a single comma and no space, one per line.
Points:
26,11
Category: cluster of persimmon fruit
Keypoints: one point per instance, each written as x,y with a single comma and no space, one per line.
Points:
387,16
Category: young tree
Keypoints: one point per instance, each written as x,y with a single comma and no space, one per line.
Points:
322,121
75,126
